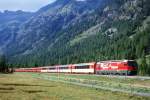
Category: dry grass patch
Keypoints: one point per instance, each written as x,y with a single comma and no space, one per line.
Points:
22,86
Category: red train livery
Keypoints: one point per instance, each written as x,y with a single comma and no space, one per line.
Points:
121,67
125,67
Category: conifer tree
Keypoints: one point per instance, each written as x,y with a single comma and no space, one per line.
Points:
3,63
143,69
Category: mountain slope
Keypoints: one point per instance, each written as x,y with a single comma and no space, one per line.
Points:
71,31
9,25
48,24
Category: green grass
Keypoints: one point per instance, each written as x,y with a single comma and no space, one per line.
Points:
142,83
22,86
110,83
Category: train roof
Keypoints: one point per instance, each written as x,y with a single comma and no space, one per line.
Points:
55,66
84,64
63,65
46,67
115,61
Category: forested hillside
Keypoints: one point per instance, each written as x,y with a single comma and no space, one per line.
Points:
74,31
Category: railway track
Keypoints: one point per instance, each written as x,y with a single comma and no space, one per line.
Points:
131,77
118,87
119,76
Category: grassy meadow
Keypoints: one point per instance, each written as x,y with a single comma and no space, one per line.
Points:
22,86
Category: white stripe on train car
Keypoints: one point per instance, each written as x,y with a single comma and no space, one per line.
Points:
53,71
65,71
45,71
83,70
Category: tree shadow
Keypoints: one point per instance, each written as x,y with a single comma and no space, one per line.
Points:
10,88
5,92
33,91
26,91
26,85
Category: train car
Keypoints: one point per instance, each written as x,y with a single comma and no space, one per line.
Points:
57,69
38,69
19,69
84,68
121,67
64,69
48,69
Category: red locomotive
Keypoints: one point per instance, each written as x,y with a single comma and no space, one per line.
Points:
121,67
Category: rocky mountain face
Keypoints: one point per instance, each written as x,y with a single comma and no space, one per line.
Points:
10,22
70,31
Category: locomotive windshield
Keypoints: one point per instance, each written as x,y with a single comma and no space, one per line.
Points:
132,63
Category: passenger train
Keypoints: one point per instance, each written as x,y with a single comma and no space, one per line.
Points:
115,67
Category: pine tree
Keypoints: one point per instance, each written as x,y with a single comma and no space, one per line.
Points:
143,70
3,63
148,72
